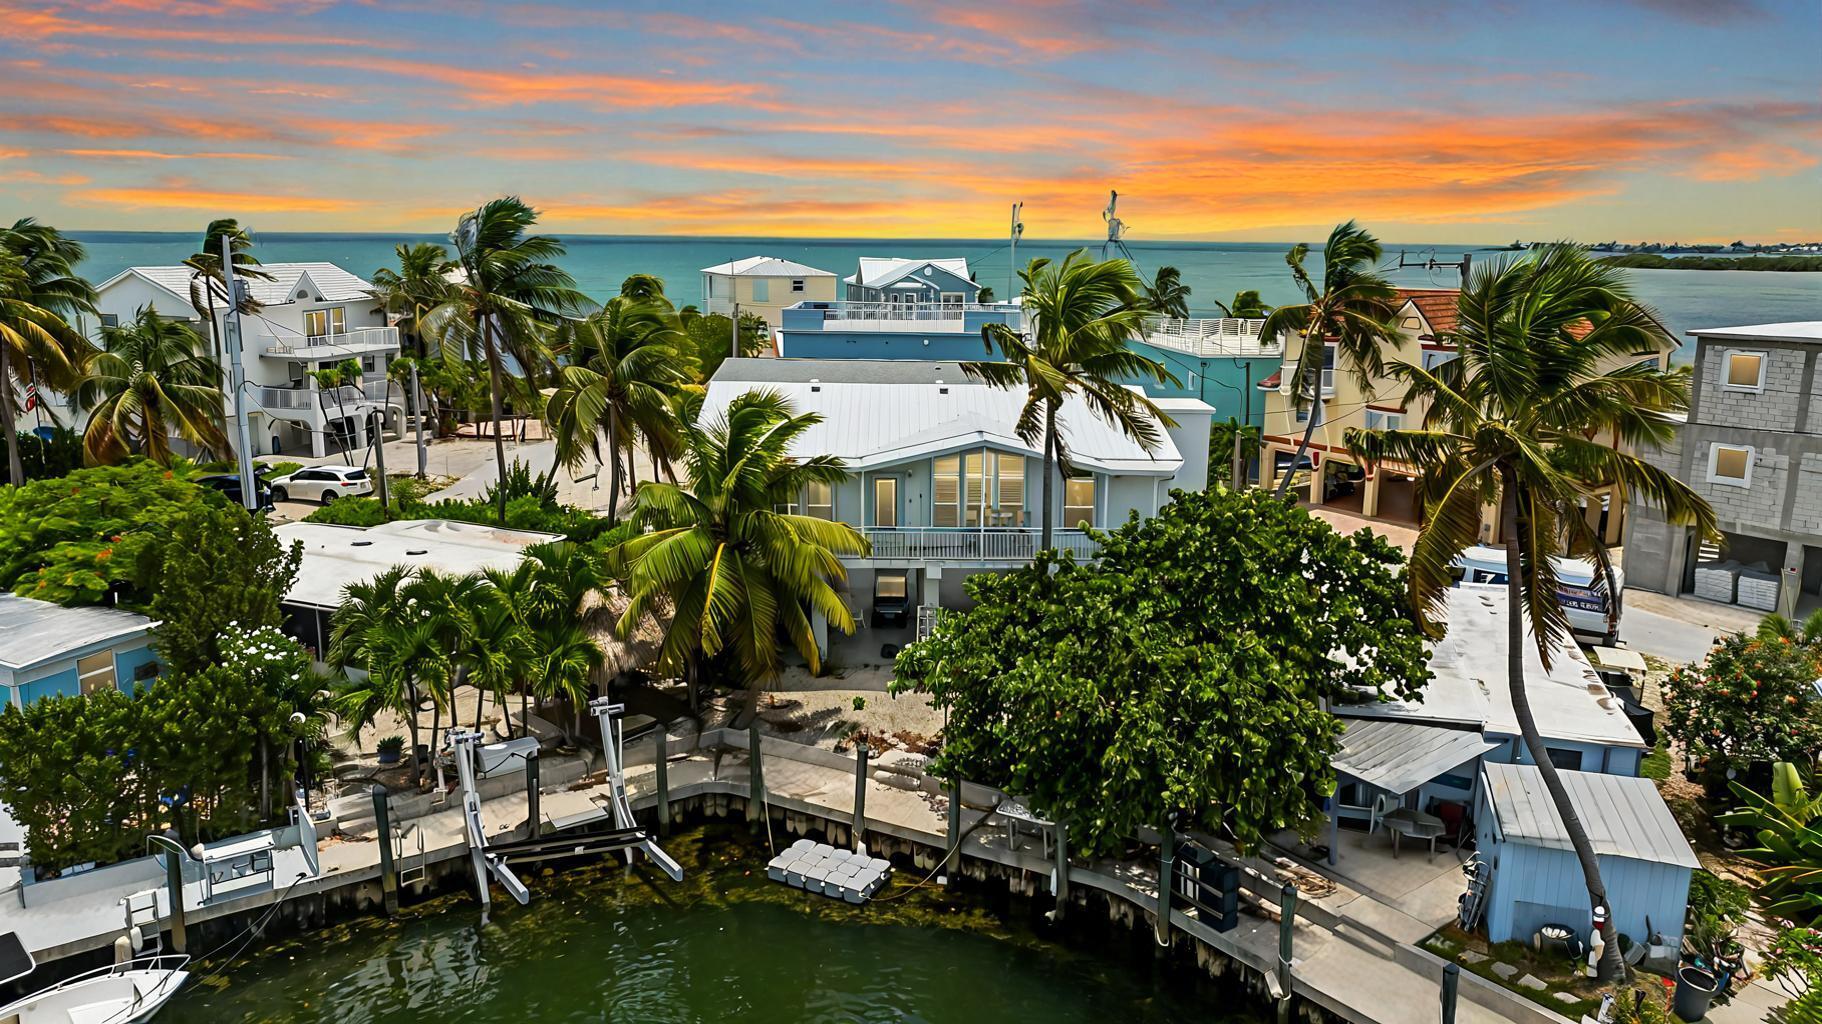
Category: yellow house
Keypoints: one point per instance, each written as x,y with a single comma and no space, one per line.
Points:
763,285
1330,475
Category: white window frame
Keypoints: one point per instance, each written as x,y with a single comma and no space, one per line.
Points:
885,502
1094,500
1714,455
1727,384
819,509
98,678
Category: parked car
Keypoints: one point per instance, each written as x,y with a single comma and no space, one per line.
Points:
229,485
325,483
1583,600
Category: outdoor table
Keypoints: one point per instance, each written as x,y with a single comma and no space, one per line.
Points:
1014,813
1409,821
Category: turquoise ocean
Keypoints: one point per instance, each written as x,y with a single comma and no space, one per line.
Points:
1687,299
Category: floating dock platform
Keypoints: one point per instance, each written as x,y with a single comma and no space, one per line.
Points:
819,867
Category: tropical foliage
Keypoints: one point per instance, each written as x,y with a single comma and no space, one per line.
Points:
1794,961
711,339
149,383
1082,314
1753,700
220,566
1148,685
39,293
1246,305
1546,365
736,572
1787,824
1166,294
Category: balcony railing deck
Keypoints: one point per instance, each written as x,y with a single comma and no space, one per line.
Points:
330,346
963,544
844,315
333,401
1223,336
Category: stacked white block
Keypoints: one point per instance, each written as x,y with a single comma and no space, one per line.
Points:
1715,581
819,867
1758,590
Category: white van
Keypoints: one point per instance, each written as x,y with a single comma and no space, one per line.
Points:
1576,590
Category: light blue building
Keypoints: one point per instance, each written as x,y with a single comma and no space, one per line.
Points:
47,649
1532,877
897,309
1220,362
899,282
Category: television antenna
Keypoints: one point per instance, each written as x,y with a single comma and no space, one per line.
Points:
1116,230
1012,259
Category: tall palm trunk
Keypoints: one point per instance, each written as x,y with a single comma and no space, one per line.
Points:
15,466
436,723
1611,966
1309,429
417,412
613,471
1050,473
485,326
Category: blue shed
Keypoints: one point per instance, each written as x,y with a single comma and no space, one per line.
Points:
1535,878
47,649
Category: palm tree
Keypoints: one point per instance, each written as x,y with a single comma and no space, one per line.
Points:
332,379
1082,313
1352,309
207,284
564,658
1520,416
445,603
419,285
734,571
519,593
508,280
39,294
497,650
1247,305
148,383
378,630
1166,294
621,366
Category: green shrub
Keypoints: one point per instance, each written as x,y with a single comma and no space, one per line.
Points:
72,539
45,458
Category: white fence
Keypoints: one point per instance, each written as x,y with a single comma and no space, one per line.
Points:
994,544
361,339
1225,336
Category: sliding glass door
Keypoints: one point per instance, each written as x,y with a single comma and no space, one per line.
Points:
978,488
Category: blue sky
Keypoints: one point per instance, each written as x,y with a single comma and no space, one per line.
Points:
1631,119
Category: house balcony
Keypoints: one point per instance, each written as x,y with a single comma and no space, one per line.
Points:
362,341
921,317
1224,336
970,545
316,406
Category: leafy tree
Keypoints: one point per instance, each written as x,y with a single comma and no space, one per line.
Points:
379,631
711,338
148,384
1515,417
1166,294
209,286
45,457
734,571
39,292
1352,308
1082,313
1794,961
1184,673
1247,305
221,566
419,285
1752,701
72,539
331,379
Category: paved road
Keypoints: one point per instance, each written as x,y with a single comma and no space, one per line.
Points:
1651,633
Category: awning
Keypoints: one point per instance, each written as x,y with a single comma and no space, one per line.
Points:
1400,756
1616,659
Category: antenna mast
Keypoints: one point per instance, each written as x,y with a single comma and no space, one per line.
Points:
1116,230
1012,259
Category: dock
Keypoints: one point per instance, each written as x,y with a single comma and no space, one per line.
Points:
819,867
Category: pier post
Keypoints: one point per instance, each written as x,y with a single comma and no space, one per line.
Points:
1167,860
174,854
1062,886
534,821
755,778
862,752
1451,979
1287,923
389,872
952,853
664,782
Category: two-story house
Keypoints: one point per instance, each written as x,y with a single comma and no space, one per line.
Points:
763,286
1329,474
942,486
48,650
1752,447
897,309
310,316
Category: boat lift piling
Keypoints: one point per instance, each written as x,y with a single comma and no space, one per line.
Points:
534,823
462,744
861,753
389,873
662,764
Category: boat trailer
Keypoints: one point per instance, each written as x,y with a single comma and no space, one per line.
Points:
493,861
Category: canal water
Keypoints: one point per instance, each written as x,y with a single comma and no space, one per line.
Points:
599,944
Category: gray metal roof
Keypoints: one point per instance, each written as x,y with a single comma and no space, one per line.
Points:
1623,816
1400,756
33,631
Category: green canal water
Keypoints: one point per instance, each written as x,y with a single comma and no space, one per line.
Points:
599,943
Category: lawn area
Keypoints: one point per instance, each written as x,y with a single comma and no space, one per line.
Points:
1550,980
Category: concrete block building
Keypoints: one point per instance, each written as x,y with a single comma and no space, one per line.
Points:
1751,446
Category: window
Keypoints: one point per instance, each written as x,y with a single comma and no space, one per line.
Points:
323,322
1410,323
1745,371
367,364
1434,357
885,501
819,500
110,320
1566,760
1078,502
1328,370
1378,420
1730,464
797,284
95,672
762,290
890,586
946,493
979,488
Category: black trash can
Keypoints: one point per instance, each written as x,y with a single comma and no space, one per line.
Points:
1694,989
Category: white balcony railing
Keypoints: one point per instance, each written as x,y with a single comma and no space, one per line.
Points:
329,401
993,544
1225,336
330,346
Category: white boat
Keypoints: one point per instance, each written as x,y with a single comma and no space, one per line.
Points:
123,993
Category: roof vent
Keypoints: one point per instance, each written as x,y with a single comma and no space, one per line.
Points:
303,295
363,544
417,551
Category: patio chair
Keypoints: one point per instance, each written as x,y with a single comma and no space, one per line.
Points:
1456,826
1383,804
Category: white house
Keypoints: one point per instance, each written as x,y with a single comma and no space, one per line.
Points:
942,486
763,285
311,315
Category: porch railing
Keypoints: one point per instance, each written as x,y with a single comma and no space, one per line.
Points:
993,544
362,338
347,397
1222,336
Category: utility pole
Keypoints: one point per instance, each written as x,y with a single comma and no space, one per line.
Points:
734,352
1012,259
237,375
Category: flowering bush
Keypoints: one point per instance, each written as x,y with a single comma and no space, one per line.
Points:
1753,700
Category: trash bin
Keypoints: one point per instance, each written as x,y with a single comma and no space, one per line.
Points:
1694,990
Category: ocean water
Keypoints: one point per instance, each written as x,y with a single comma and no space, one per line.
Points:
1687,299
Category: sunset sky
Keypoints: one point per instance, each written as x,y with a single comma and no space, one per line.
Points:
1631,119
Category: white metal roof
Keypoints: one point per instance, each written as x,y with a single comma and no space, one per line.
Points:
33,631
765,266
335,556
1401,756
1468,684
882,271
877,412
1623,815
1803,331
330,282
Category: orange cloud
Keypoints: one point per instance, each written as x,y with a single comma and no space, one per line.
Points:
527,86
41,178
49,23
152,154
181,196
1750,163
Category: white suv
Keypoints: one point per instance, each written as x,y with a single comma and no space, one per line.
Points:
325,482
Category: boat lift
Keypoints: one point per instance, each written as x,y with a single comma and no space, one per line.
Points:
493,861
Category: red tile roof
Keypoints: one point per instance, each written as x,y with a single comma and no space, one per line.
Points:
1436,304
